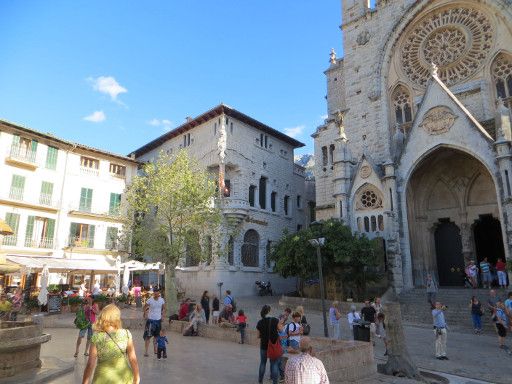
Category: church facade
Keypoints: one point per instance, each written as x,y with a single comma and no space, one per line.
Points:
416,148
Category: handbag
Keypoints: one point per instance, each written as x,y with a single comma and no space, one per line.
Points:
123,352
274,350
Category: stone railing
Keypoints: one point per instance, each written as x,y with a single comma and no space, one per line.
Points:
39,243
89,171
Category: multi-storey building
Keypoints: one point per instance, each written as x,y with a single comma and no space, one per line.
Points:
62,201
416,148
264,193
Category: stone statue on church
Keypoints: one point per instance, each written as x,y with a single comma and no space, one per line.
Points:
503,123
332,56
338,120
398,142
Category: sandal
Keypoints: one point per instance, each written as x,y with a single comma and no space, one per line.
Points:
75,355
146,355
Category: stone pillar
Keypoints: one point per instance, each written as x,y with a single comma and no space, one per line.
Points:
341,179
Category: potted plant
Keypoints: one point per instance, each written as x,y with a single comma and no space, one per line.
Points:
102,300
74,302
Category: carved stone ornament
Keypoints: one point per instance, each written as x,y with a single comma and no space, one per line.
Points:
365,171
363,38
458,40
438,120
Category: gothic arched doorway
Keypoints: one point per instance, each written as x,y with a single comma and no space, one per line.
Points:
447,191
450,261
488,239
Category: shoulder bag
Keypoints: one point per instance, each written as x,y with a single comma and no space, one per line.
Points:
123,352
274,350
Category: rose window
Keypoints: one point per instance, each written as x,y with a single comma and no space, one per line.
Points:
369,199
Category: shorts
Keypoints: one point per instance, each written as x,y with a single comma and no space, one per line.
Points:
502,331
215,313
152,328
87,330
293,344
486,277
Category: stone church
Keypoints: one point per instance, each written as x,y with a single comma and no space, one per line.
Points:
416,148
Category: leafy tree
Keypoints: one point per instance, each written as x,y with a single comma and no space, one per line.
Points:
168,203
352,258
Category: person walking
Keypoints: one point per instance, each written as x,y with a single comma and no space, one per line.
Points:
205,303
334,319
153,313
440,331
305,368
368,314
501,322
432,289
485,269
137,293
476,314
91,309
268,328
112,352
380,330
241,321
161,342
501,269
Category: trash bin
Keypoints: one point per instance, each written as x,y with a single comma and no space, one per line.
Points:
362,331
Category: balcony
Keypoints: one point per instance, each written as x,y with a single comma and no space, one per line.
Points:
79,242
10,240
88,171
16,193
45,199
235,210
39,243
22,156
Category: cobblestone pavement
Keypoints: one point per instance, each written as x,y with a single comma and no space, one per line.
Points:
199,360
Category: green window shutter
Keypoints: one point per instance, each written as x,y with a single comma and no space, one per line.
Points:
17,187
15,140
47,188
85,200
91,236
50,229
29,231
51,158
111,239
73,229
34,145
115,203
13,221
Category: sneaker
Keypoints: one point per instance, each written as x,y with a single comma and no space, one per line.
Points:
445,358
439,357
165,356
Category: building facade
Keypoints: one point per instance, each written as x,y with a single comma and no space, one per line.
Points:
62,201
262,194
416,146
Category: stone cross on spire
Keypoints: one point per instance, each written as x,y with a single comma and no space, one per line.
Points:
332,56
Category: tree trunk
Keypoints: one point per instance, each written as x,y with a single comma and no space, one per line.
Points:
399,361
171,294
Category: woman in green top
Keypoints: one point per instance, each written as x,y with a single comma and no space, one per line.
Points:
112,347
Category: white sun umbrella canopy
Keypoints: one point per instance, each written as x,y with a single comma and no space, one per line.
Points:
126,276
42,298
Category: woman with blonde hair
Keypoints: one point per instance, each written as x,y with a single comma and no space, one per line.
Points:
306,328
112,348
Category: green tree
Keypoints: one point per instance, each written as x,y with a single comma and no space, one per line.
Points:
171,199
351,258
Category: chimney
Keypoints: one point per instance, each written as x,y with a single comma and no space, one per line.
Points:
188,119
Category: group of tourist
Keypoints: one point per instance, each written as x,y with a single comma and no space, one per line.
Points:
11,303
489,274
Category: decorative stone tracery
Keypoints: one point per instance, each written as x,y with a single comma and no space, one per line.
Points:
458,40
368,198
438,120
502,75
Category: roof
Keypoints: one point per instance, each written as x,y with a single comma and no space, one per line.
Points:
212,113
61,264
50,137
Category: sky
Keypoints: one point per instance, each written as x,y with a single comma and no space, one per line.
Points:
117,74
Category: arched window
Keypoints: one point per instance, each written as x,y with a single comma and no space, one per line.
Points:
502,75
250,249
402,105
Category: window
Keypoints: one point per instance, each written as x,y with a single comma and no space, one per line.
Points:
81,235
263,193
13,221
117,170
502,75
51,158
299,201
17,187
380,220
227,188
215,129
268,252
273,197
23,149
286,203
402,105
231,127
299,227
40,232
192,249
312,215
231,251
85,200
250,249
331,153
45,197
324,156
111,238
263,140
115,204
366,224
186,140
374,223
88,162
252,193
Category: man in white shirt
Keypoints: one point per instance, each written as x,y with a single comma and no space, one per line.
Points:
96,290
153,312
82,290
352,317
304,368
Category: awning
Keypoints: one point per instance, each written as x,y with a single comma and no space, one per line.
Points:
9,267
134,265
5,229
56,264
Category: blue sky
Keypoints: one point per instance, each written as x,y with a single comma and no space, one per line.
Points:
116,74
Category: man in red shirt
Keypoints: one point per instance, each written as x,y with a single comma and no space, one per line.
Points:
501,268
184,309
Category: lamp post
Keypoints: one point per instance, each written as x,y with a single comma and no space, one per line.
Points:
317,243
220,284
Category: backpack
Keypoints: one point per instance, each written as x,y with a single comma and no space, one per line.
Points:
233,304
288,333
81,321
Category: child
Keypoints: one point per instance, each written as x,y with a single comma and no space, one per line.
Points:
160,341
293,331
241,320
380,330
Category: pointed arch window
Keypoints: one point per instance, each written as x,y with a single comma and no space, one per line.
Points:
502,76
402,105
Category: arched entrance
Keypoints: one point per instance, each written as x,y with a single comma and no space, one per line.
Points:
448,193
488,239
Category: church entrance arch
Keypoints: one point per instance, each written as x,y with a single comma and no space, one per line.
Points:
488,239
447,195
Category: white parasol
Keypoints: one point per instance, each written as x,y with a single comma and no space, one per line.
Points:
126,275
43,293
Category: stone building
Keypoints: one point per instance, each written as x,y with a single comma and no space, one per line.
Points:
416,148
262,193
62,200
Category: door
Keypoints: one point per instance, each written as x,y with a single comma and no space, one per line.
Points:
450,261
488,239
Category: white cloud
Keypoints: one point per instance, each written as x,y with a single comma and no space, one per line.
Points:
164,123
323,117
294,131
96,117
107,85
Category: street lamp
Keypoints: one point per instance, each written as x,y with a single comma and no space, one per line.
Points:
220,284
317,243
